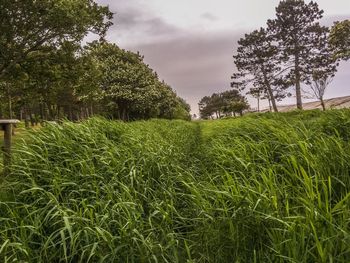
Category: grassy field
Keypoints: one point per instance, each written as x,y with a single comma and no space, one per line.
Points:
262,188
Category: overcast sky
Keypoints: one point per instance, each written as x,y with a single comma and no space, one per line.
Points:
190,43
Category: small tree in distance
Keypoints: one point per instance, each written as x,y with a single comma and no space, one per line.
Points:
318,86
324,67
255,92
228,102
239,106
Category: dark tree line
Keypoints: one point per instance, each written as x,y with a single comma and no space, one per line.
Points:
227,103
47,74
294,50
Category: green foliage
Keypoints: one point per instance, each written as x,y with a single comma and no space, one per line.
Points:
340,39
46,73
262,188
227,102
294,49
257,63
131,86
301,41
29,26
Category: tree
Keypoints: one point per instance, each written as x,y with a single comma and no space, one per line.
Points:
30,26
322,73
300,38
239,106
227,102
339,39
318,86
130,87
46,73
29,29
125,79
256,63
182,109
205,107
256,92
52,82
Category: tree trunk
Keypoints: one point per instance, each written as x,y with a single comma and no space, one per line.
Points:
70,112
42,112
9,97
297,83
51,112
58,112
269,90
46,112
26,117
78,116
32,121
9,101
10,105
322,103
272,99
123,114
91,110
259,104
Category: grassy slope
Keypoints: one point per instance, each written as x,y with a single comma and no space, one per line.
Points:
263,188
286,180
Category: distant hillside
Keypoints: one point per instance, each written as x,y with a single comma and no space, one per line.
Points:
335,103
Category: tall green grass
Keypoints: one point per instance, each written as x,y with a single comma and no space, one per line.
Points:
262,188
280,188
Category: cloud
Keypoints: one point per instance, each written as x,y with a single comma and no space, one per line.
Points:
133,22
194,64
209,16
133,19
329,20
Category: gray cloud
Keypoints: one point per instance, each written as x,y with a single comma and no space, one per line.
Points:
134,19
209,16
134,23
329,20
194,64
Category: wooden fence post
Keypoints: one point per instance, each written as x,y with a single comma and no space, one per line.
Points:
7,128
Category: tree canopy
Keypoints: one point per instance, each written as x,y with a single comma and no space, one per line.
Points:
340,39
46,72
257,63
31,26
226,103
129,86
300,38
